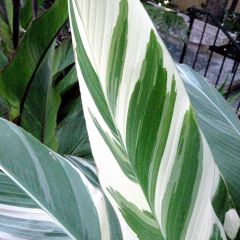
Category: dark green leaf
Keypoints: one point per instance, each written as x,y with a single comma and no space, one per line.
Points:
16,77
63,57
39,114
67,81
72,133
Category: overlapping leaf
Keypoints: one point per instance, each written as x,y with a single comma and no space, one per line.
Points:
220,126
20,217
6,27
40,108
67,191
26,12
16,77
72,133
160,169
63,57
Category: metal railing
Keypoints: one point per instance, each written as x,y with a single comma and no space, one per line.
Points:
230,50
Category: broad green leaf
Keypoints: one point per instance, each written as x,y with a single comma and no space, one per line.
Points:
58,186
6,42
63,57
3,60
26,13
72,133
220,126
18,75
6,38
12,195
4,111
68,81
40,108
9,13
21,218
42,121
159,168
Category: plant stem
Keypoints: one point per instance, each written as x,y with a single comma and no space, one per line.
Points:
16,14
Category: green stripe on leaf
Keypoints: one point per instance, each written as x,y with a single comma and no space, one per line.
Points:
149,110
116,56
90,76
183,185
141,222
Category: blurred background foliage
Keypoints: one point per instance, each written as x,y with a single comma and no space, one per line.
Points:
38,83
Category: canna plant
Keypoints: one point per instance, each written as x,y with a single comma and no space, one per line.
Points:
171,160
166,145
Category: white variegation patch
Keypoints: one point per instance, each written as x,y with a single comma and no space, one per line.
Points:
232,223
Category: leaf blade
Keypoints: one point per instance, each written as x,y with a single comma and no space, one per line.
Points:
54,183
15,78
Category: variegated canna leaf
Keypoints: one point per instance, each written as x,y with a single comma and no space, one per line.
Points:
220,126
159,168
21,218
47,195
